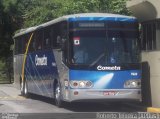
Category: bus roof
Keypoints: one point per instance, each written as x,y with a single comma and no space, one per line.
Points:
74,17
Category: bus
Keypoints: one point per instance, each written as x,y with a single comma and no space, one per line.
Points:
80,57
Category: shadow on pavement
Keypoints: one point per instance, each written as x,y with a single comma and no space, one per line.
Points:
95,107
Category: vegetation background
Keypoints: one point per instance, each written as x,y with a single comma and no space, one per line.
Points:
20,14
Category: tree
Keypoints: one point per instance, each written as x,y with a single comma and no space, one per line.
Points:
10,21
105,6
16,14
119,7
40,11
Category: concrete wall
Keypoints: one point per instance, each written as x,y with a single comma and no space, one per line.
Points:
153,59
144,9
158,36
156,4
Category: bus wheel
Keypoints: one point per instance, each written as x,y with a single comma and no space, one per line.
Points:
22,87
57,96
26,90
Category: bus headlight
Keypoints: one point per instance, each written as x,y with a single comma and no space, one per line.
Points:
81,84
132,84
74,84
89,84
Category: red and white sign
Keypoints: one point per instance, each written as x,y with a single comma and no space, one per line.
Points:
110,92
76,40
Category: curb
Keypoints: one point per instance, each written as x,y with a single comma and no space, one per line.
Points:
153,110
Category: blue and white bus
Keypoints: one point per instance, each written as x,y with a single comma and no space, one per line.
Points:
88,56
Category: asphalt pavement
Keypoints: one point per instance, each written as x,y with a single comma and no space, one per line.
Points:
12,102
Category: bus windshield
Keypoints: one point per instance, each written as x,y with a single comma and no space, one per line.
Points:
104,46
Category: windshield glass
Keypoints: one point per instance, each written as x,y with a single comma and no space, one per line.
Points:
104,47
122,47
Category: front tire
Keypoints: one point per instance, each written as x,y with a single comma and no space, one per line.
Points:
22,87
26,94
57,96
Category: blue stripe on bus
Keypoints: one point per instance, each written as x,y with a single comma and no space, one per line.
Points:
102,19
105,79
41,76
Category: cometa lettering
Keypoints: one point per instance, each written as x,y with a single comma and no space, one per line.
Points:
108,67
41,61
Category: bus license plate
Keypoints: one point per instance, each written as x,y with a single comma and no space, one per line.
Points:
109,93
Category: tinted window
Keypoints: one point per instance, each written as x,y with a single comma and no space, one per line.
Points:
16,46
39,39
19,45
59,34
118,44
122,25
47,38
25,41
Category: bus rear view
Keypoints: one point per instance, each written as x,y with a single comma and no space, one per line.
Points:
103,59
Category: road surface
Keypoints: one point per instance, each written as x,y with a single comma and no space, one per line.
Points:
12,102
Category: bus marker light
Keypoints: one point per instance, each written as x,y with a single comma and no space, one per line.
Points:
75,84
66,82
81,84
75,92
89,84
132,84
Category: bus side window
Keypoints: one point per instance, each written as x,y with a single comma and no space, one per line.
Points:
16,46
47,38
19,42
59,34
24,44
63,29
39,39
56,35
63,35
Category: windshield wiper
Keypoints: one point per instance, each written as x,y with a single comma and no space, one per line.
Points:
97,60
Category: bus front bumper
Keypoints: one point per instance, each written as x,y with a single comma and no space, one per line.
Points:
106,95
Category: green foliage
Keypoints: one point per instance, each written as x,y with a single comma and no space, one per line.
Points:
119,7
10,21
17,14
81,6
2,73
105,6
6,74
36,12
40,11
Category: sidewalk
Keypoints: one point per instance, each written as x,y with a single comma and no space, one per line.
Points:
7,91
